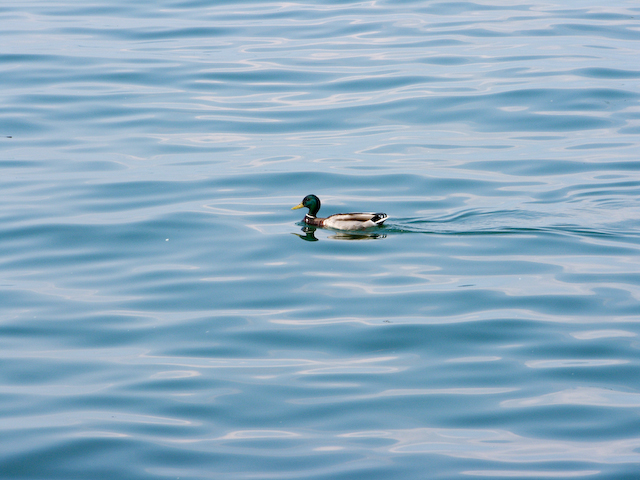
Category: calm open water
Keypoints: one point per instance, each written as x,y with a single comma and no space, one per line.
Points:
163,314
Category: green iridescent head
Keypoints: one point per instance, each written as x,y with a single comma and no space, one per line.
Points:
311,202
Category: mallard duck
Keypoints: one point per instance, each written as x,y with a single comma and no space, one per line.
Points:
339,221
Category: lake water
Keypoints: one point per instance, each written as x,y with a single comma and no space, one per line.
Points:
164,313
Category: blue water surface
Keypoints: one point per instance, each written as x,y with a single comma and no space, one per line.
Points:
164,314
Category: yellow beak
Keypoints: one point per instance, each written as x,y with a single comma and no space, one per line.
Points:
300,205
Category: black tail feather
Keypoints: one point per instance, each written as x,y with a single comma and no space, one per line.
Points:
379,218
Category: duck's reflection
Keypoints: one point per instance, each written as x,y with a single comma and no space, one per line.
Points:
309,235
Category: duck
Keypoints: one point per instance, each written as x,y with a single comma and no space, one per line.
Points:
339,221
